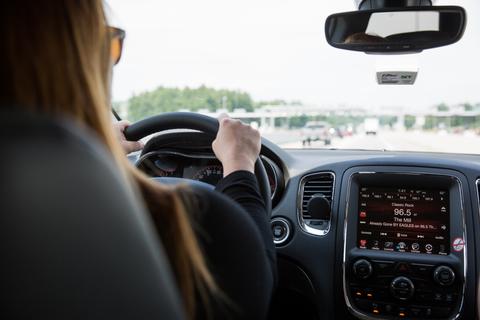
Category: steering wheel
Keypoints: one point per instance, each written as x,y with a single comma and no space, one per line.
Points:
193,121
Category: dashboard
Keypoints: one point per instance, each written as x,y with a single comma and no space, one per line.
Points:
359,234
200,167
197,166
161,159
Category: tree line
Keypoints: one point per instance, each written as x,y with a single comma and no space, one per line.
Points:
164,99
168,99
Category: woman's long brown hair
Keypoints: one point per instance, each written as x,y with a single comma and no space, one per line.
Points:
55,60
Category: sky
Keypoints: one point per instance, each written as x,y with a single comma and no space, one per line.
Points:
276,49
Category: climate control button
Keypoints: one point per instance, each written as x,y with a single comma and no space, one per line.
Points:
362,269
444,276
402,288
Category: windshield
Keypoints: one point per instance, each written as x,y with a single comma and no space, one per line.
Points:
268,63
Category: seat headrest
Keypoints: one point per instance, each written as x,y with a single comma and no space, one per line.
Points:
75,241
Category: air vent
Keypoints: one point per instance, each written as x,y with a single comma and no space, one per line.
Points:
314,184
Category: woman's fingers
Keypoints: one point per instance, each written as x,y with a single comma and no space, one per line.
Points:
237,145
132,146
128,146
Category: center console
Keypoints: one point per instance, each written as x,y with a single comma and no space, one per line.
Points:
404,250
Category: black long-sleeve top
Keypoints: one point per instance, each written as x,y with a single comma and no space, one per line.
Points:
242,187
234,231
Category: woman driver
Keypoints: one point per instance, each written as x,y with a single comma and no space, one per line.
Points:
56,59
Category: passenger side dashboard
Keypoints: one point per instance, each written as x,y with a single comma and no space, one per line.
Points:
318,241
326,259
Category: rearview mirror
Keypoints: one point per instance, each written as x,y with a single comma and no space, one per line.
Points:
410,29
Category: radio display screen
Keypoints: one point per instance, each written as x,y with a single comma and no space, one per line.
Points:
404,220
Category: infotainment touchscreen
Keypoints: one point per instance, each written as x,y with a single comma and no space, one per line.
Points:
404,220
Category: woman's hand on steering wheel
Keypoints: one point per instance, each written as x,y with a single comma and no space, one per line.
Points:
127,146
237,145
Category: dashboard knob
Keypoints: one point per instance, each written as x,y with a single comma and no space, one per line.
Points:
280,230
362,269
402,288
319,207
444,276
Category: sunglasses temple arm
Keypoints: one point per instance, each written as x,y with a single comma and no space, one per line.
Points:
115,114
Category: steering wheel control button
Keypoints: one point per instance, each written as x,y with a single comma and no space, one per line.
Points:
280,230
402,288
444,276
362,269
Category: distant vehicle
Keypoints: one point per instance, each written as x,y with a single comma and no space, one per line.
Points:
317,131
344,131
371,126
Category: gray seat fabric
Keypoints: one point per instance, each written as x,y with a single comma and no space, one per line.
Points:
75,242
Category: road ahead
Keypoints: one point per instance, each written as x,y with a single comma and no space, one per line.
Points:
389,140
